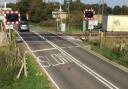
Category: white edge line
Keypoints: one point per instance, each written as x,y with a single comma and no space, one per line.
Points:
96,54
96,75
90,71
101,57
43,69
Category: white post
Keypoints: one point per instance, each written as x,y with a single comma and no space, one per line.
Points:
4,4
60,10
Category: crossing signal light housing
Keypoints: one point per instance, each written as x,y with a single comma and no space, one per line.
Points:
11,17
89,14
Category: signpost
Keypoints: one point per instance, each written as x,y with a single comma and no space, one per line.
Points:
93,22
90,27
54,14
68,9
9,26
89,21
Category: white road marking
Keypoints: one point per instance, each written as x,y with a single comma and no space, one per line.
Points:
66,57
58,63
44,50
53,49
40,58
83,66
71,47
62,62
59,59
60,56
43,69
35,42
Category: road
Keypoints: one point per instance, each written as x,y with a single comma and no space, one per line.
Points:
70,66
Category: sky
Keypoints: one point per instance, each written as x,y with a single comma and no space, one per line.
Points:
111,3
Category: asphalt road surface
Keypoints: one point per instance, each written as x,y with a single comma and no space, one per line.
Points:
72,67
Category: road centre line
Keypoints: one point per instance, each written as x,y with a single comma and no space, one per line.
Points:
83,66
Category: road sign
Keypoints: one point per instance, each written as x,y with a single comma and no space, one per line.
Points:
10,26
54,14
90,27
1,17
93,22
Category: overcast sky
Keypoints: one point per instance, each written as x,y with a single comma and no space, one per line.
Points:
109,2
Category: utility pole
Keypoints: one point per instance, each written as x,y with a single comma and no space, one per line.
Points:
60,10
101,32
68,16
67,2
4,4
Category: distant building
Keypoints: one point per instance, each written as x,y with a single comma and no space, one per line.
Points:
115,23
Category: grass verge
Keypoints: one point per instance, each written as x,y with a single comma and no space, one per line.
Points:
113,56
35,80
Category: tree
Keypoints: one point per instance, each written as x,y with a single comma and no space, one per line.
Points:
11,5
37,10
109,10
77,6
23,6
124,10
117,10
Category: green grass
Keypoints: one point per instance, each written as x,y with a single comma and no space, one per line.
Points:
35,80
114,56
73,29
51,29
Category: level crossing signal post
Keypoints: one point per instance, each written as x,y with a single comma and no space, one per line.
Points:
11,18
88,16
67,2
